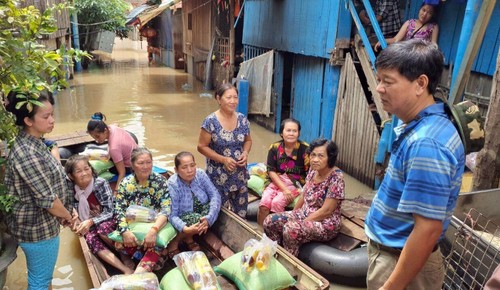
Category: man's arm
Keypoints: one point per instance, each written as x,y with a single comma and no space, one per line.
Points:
415,253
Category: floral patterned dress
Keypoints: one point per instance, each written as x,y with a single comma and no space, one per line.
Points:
424,33
154,194
290,228
231,185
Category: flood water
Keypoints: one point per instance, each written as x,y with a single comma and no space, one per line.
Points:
162,107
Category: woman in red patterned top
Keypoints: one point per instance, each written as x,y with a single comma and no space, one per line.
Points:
316,216
287,165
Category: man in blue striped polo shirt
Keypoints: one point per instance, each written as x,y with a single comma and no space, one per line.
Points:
413,207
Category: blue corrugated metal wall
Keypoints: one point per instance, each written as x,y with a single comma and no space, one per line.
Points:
307,94
450,24
302,27
165,36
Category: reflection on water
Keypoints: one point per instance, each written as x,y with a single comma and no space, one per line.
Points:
161,106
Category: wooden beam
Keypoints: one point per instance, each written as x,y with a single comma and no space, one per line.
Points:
370,77
487,172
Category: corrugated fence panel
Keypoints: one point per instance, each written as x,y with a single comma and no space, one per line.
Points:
354,131
307,94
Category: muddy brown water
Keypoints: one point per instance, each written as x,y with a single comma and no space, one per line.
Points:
162,107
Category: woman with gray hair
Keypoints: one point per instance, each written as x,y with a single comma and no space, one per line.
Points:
145,188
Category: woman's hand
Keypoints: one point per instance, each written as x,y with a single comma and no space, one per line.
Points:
129,239
84,227
377,46
288,196
229,164
150,239
191,230
202,226
95,210
242,161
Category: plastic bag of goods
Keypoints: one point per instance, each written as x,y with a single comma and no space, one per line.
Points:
257,254
140,281
96,153
137,213
259,169
197,270
250,252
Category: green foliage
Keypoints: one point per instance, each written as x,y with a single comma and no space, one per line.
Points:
26,65
97,15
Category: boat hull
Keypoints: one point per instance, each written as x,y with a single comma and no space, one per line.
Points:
226,237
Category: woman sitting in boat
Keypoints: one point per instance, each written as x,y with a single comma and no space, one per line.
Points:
144,188
195,202
94,202
316,216
120,144
287,165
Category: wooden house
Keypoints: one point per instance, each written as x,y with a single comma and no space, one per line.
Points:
210,39
323,72
63,33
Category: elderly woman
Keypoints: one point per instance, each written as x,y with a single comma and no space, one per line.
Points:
94,201
195,202
225,141
149,189
287,165
316,216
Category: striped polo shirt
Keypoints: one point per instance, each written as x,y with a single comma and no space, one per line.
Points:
423,177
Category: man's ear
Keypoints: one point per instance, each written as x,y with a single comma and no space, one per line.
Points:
422,84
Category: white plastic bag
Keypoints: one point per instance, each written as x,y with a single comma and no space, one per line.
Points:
137,213
197,270
140,281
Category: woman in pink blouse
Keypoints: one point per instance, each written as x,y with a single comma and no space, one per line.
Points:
120,144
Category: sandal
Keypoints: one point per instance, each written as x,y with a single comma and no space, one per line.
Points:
194,246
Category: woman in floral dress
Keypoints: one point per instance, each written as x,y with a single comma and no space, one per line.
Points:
316,216
149,189
287,165
225,141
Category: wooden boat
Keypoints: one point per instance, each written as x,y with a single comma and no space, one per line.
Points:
226,237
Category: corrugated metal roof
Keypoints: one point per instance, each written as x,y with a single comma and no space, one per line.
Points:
144,13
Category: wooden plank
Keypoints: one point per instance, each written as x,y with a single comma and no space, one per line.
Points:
358,221
73,138
351,229
252,198
96,269
370,77
344,243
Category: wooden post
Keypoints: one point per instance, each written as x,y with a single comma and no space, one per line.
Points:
487,173
231,40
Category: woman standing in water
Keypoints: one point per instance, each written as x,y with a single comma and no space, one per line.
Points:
226,142
120,144
37,180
